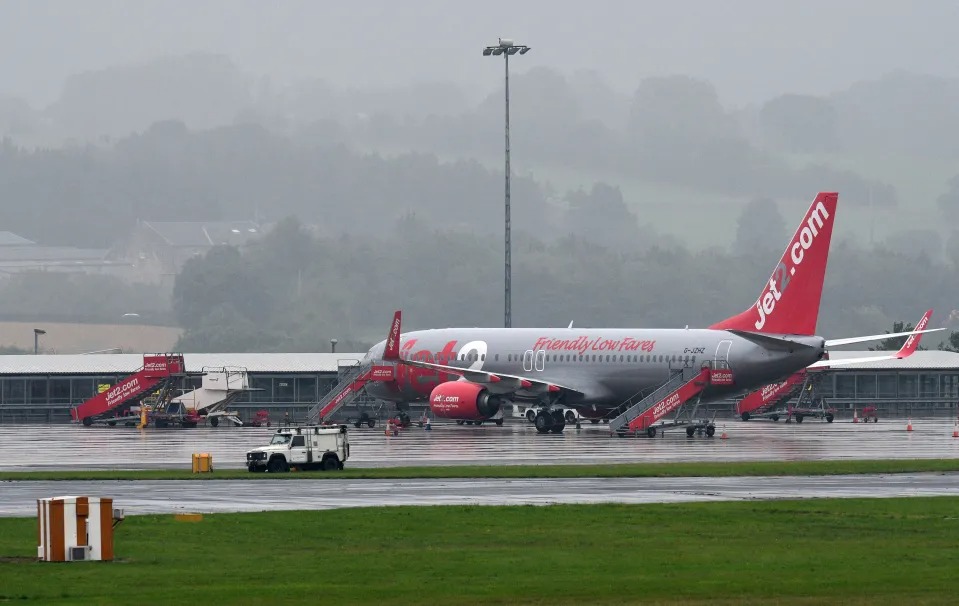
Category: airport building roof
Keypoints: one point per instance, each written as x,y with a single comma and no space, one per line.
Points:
921,360
110,364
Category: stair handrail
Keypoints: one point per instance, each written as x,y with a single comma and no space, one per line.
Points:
347,379
670,385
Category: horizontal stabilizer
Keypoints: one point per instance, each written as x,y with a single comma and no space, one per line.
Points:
769,341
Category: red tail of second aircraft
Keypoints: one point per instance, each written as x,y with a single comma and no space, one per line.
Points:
789,302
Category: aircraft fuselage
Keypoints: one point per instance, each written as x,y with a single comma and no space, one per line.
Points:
600,368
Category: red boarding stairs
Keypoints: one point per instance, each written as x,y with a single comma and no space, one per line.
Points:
158,370
768,396
678,390
348,389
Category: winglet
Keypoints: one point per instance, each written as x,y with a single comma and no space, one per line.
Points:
912,343
392,350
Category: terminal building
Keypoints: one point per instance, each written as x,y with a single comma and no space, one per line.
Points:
43,388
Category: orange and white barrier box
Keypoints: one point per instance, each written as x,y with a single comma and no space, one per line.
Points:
75,528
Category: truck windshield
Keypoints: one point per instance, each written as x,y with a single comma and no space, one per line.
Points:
280,438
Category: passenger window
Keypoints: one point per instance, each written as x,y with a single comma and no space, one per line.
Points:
298,441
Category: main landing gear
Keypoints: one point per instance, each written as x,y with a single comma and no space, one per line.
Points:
547,421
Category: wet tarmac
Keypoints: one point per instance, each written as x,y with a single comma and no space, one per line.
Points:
57,447
216,496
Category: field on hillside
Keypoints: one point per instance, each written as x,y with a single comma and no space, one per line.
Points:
702,219
66,338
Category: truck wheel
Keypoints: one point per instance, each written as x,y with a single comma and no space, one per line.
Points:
799,418
330,463
651,431
214,421
710,430
278,465
87,421
690,432
829,418
371,423
745,416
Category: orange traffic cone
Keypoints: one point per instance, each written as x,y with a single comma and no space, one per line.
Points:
855,415
909,425
724,435
955,430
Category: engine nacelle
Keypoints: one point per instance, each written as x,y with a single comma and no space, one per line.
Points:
463,400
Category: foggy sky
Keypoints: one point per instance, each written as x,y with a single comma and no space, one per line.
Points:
750,49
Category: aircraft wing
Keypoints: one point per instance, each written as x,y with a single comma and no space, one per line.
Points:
907,349
498,382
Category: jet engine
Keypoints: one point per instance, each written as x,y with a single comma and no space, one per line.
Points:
463,400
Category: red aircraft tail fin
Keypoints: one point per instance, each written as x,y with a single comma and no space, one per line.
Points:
392,350
789,302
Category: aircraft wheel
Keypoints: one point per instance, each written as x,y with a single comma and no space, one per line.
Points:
690,432
775,418
745,416
710,430
594,421
477,423
499,422
651,432
829,418
570,417
460,421
559,421
543,421
531,415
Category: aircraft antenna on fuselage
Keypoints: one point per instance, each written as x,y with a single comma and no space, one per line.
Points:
570,324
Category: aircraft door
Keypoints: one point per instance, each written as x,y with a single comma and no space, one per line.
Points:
528,360
540,359
722,352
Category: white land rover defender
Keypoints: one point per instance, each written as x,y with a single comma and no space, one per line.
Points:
323,447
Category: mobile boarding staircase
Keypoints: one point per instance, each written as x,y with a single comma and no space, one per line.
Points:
774,401
219,387
353,377
765,402
159,373
646,414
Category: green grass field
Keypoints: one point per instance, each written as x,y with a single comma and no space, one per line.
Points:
883,551
625,470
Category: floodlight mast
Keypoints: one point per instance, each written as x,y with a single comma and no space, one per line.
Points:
506,47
